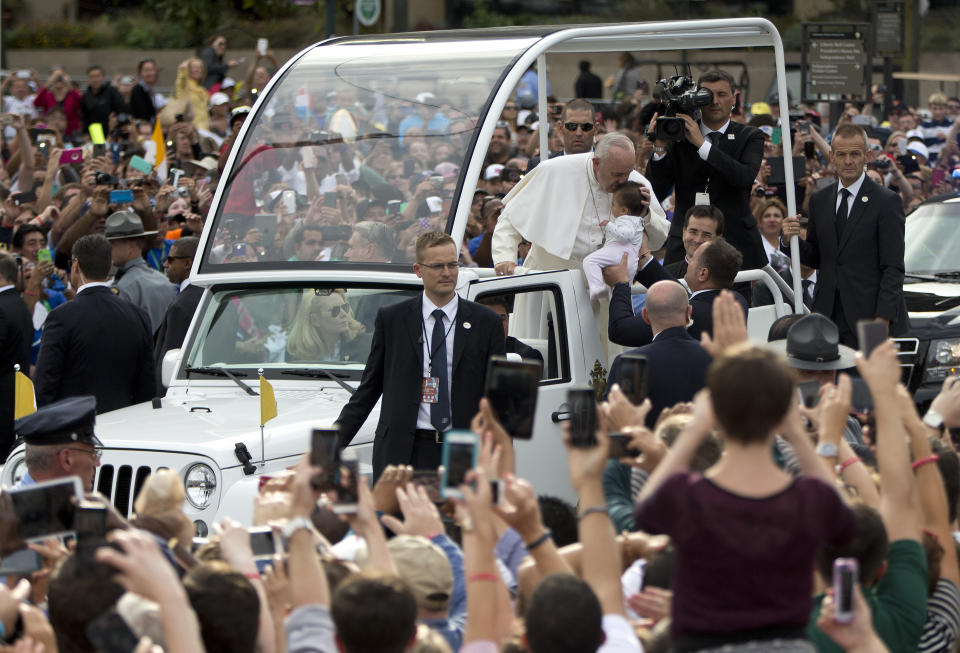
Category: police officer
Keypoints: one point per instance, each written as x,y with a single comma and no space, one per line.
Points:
60,441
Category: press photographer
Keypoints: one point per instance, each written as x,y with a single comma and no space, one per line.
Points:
712,160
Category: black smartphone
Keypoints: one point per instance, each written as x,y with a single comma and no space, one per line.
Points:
25,197
511,387
21,563
809,393
582,404
330,200
429,479
348,492
861,400
632,377
870,335
620,447
99,149
777,175
809,149
909,163
325,453
46,509
336,232
408,167
110,633
90,524
393,207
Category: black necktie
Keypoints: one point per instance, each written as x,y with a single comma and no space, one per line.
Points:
440,411
806,284
714,137
842,212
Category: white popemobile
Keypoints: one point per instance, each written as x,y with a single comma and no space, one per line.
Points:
307,324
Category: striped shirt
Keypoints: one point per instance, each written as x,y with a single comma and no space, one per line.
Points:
943,619
930,129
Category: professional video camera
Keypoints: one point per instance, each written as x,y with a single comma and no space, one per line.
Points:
681,95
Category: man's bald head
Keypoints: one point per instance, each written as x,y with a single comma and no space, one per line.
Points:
667,306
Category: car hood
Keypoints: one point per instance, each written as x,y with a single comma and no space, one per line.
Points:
933,297
212,420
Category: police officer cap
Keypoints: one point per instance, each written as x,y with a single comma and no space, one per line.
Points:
62,422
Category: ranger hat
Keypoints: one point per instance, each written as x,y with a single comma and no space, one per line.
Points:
813,343
125,224
62,422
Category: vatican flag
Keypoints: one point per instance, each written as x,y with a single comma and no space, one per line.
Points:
24,402
268,402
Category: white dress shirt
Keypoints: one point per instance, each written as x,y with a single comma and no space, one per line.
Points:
450,313
854,189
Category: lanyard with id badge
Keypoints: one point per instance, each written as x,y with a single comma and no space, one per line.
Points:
430,390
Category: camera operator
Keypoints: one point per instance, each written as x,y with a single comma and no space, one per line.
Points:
713,161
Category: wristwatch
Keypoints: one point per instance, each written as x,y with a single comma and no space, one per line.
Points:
296,524
827,450
933,419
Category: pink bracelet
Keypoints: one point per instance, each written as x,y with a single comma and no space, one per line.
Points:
923,461
846,463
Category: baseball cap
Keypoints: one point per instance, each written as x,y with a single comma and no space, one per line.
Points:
493,171
425,567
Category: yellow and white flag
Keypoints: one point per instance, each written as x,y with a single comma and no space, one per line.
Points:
156,151
268,402
24,402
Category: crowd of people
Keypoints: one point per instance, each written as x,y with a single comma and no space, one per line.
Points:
757,492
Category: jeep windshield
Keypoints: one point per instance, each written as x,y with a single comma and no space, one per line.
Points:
358,147
288,329
933,240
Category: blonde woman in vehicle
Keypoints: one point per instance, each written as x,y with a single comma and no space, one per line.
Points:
324,329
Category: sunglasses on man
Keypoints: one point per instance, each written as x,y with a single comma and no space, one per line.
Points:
572,126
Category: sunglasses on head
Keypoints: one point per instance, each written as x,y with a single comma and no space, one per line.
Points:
572,126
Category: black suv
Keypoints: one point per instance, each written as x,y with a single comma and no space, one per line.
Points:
931,349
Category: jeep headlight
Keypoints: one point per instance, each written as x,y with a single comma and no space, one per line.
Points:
200,484
942,356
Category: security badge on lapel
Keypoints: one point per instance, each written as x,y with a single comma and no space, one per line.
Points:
703,199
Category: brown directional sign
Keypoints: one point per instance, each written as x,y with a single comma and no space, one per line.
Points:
887,19
835,60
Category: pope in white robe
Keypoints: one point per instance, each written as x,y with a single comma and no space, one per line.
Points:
559,206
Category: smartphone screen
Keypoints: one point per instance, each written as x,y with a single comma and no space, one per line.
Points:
90,523
632,377
582,404
845,572
22,562
870,335
393,207
809,393
348,494
99,149
459,457
330,200
325,453
429,480
121,197
46,509
110,633
861,400
620,447
512,391
263,544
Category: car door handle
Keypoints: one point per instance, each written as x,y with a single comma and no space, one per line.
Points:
560,416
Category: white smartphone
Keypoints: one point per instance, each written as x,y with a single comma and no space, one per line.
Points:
262,45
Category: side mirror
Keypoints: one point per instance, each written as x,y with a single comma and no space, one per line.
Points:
168,367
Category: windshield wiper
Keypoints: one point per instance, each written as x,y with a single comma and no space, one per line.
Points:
222,371
921,277
320,373
951,274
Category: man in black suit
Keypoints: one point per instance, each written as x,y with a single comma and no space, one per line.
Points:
700,224
587,85
16,336
855,241
98,342
179,314
676,363
714,266
719,158
428,360
502,305
579,115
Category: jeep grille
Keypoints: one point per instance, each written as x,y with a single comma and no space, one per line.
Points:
121,485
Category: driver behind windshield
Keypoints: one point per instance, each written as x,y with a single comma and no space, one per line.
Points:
324,329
